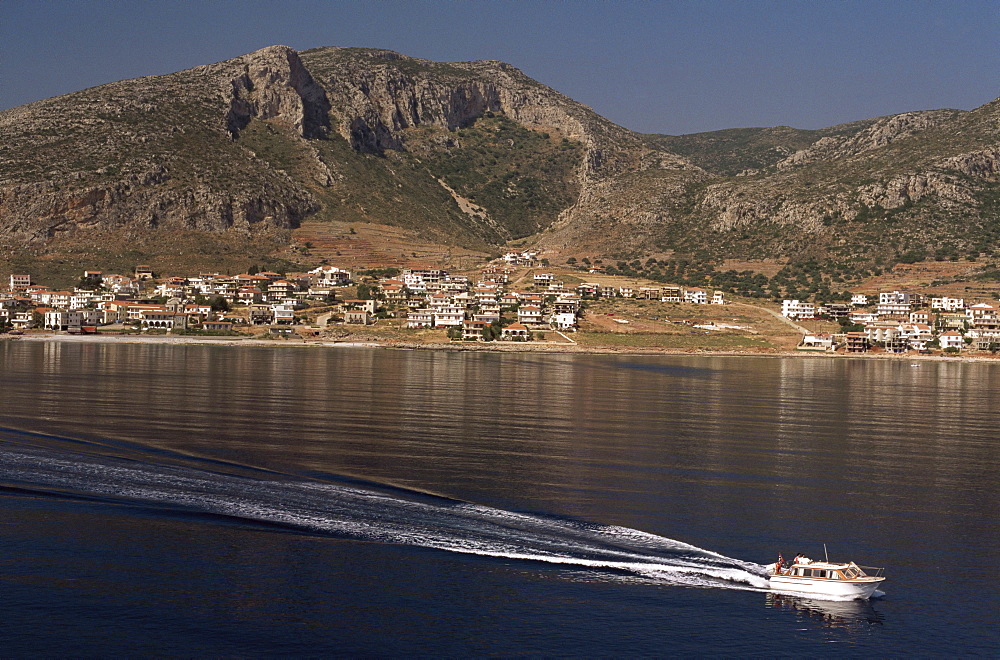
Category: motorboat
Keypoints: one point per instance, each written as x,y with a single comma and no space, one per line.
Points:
826,578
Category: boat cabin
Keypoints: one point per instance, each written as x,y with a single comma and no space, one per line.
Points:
825,571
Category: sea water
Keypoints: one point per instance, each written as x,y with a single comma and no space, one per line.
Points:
183,500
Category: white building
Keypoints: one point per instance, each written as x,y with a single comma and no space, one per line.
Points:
420,318
948,304
544,279
859,300
951,339
895,298
448,317
330,276
893,309
794,309
18,282
696,296
283,312
563,321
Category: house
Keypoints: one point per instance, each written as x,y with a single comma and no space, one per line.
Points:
22,320
626,292
882,333
283,313
544,279
368,305
278,290
529,315
917,335
563,321
920,317
988,340
859,300
696,296
793,309
449,317
394,292
20,282
485,294
217,326
671,294
946,304
162,318
835,311
473,330
895,298
330,276
356,317
516,332
438,300
718,298
249,295
144,272
951,339
421,318
821,341
953,320
981,312
509,301
897,311
857,342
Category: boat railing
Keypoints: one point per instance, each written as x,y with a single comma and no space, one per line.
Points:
878,570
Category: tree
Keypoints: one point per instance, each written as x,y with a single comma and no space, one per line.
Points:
220,304
90,283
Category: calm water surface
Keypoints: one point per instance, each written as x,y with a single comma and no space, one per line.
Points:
191,500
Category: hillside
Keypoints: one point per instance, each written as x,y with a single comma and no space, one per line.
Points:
252,160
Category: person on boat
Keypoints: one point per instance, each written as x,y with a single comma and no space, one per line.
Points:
778,565
802,559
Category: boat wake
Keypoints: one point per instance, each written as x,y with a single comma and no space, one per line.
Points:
365,513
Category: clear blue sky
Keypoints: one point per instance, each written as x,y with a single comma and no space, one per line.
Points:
656,67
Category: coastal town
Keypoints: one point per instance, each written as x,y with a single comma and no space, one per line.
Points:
511,299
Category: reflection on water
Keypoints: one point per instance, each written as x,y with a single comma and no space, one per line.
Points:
887,464
848,614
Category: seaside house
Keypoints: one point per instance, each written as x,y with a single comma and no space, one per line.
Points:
515,331
358,317
951,339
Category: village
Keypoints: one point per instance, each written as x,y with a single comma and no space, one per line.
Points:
213,304
898,322
511,299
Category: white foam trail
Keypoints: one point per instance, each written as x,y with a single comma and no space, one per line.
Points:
370,515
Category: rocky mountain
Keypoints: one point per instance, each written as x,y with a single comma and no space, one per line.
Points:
228,164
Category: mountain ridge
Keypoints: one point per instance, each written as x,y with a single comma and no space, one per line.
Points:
470,154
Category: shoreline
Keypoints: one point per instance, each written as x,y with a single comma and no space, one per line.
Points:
493,347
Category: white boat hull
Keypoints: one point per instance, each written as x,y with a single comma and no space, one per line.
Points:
839,589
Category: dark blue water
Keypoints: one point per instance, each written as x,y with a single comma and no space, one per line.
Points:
179,500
